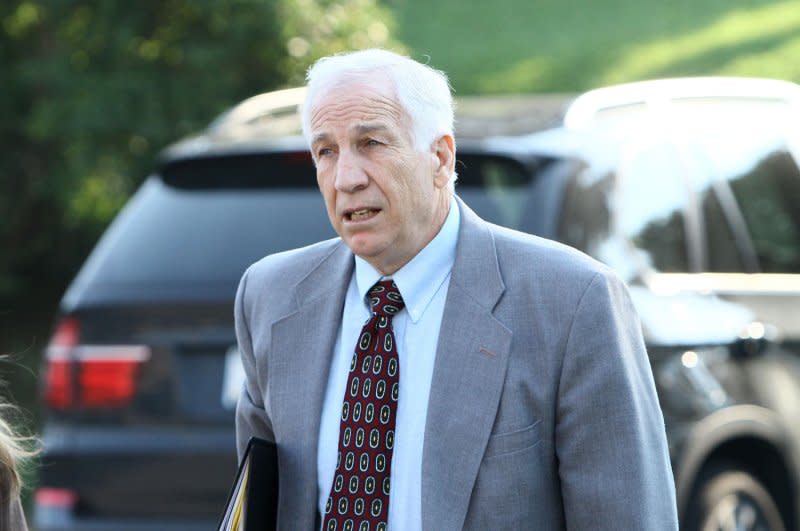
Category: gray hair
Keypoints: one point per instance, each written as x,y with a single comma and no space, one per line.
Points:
423,92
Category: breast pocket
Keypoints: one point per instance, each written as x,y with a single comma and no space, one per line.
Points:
513,441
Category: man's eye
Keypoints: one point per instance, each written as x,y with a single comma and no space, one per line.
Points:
324,152
373,142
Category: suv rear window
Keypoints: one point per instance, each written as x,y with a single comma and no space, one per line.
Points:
202,221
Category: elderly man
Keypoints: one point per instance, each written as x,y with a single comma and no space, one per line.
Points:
428,370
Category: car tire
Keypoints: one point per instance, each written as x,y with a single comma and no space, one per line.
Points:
729,497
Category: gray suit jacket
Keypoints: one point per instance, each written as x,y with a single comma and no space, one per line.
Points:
542,414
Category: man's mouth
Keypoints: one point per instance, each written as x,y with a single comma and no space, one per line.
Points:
361,214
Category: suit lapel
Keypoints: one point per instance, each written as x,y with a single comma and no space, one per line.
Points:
470,368
301,377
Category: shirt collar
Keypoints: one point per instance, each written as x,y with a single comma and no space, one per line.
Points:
420,279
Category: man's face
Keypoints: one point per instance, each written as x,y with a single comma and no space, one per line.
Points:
386,199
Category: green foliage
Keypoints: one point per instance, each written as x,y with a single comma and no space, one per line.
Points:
519,46
313,29
93,90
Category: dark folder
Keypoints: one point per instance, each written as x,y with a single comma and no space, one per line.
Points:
253,501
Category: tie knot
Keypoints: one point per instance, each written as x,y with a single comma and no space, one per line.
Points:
385,298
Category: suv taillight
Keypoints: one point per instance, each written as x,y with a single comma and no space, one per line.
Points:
89,376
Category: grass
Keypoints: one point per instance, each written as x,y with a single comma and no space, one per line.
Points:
513,46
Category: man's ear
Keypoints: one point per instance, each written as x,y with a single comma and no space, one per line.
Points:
444,149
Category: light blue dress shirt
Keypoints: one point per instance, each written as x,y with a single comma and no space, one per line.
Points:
423,284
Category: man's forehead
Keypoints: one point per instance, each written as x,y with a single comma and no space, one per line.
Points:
356,113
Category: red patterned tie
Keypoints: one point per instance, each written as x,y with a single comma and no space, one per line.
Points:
359,496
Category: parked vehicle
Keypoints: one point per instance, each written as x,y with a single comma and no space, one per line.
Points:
688,188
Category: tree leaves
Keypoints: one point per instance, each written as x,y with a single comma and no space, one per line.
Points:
93,90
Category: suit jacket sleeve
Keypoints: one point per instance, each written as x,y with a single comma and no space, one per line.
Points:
251,415
610,440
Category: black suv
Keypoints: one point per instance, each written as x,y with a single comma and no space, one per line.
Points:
689,188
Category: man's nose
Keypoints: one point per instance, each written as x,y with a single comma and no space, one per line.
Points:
350,175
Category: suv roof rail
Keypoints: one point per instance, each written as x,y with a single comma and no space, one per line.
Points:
271,114
277,113
274,117
586,107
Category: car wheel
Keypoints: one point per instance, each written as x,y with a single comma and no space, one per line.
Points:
731,499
